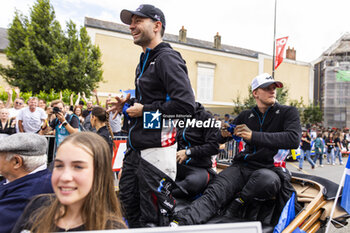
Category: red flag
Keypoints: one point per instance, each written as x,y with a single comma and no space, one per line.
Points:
280,44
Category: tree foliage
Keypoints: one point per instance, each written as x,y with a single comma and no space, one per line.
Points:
47,96
43,57
311,114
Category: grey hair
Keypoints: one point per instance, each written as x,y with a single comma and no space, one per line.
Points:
33,98
30,163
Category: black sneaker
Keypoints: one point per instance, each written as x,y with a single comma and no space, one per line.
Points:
233,209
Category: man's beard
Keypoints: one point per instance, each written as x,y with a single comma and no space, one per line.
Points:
143,40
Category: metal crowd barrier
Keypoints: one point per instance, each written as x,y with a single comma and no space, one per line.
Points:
120,138
228,151
51,147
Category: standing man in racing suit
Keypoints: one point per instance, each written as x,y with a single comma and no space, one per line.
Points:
266,128
162,87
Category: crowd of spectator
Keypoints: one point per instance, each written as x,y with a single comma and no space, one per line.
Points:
331,143
335,142
38,116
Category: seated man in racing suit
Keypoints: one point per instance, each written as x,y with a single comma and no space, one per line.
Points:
196,146
266,128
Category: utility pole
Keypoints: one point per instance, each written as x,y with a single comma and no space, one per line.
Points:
274,43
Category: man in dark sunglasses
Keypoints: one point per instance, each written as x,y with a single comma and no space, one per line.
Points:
13,112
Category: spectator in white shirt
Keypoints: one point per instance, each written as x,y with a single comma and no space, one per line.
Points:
31,118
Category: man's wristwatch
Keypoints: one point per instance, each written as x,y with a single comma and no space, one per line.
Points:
188,152
64,123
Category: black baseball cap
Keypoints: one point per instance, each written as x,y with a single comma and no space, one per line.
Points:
144,10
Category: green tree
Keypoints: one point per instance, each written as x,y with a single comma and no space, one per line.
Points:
312,114
43,57
300,106
246,103
282,95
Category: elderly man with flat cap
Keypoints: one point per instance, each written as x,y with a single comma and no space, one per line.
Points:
23,164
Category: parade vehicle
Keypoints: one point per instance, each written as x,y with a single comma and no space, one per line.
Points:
315,196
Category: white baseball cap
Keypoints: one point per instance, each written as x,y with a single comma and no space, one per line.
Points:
264,80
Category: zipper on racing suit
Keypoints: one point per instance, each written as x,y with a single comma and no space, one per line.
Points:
142,68
189,144
261,122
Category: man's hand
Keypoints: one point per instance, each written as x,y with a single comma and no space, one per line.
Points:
225,133
118,105
13,124
51,132
135,110
243,131
109,99
8,90
181,156
60,117
17,91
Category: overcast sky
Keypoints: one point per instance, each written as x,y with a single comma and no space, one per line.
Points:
312,25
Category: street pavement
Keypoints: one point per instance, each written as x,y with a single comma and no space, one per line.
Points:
331,172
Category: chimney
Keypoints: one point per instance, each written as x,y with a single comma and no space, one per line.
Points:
217,41
291,53
182,35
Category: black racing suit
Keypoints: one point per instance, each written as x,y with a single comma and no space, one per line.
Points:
252,174
194,174
162,84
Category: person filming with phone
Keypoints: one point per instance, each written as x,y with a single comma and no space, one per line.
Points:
64,124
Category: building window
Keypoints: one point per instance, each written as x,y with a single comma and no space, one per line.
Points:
205,81
340,116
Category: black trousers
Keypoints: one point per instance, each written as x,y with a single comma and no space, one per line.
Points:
235,181
192,179
145,192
